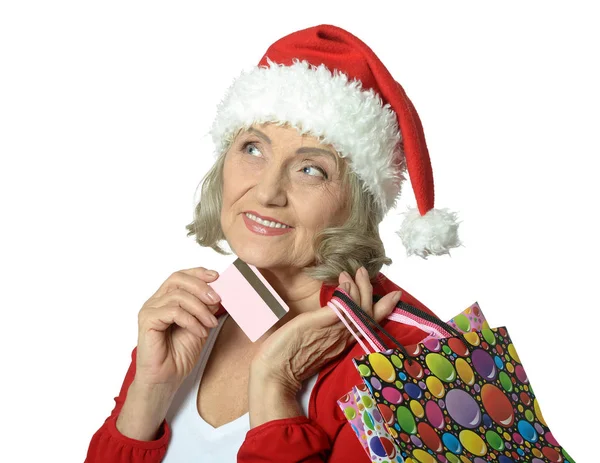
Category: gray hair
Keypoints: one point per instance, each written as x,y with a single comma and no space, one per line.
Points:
348,247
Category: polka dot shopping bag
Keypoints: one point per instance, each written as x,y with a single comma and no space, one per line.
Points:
461,395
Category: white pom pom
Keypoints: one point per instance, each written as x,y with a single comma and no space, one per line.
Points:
434,233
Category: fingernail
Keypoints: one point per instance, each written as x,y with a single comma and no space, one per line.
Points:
214,321
211,273
346,286
397,296
214,296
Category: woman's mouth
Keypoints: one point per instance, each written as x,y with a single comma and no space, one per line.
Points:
264,227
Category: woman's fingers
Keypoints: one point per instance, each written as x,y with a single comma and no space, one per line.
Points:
361,292
361,289
191,304
386,305
354,291
194,281
365,289
184,319
161,318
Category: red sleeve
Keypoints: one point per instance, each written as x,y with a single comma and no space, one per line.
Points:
109,445
288,440
300,439
347,448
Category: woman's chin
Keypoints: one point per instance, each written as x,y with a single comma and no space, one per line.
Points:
259,256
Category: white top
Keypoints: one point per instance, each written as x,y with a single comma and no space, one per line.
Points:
192,438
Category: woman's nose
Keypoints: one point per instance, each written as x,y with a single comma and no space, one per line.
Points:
271,187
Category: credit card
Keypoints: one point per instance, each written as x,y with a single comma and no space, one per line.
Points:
249,298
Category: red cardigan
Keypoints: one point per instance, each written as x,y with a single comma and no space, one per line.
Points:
324,437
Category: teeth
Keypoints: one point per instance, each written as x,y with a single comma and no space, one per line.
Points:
266,223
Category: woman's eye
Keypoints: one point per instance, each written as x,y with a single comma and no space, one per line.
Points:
249,145
317,169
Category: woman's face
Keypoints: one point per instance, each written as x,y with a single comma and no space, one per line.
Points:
292,179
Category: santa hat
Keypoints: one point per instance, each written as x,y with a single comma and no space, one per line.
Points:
326,82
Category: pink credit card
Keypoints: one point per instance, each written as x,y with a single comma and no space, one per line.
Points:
249,298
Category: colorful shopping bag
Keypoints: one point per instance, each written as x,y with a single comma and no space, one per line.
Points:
369,425
353,409
461,398
359,407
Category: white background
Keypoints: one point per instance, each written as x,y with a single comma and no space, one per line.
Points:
104,113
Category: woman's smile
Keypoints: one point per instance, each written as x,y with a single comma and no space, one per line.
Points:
260,227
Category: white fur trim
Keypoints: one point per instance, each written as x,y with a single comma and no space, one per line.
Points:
326,105
433,233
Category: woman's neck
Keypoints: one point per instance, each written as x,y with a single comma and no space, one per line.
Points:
299,291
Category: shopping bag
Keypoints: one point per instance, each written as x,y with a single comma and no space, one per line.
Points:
353,409
465,397
369,426
360,408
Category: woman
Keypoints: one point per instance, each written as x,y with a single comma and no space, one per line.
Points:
319,155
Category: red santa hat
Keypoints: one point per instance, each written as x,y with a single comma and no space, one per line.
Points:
326,82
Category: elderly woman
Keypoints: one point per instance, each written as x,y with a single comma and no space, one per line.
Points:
311,147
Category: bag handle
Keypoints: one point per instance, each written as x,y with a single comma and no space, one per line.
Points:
369,325
426,319
362,325
339,308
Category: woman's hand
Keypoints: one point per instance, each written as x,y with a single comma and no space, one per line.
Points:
303,346
173,326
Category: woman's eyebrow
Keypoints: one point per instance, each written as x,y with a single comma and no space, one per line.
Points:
315,150
260,134
303,150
